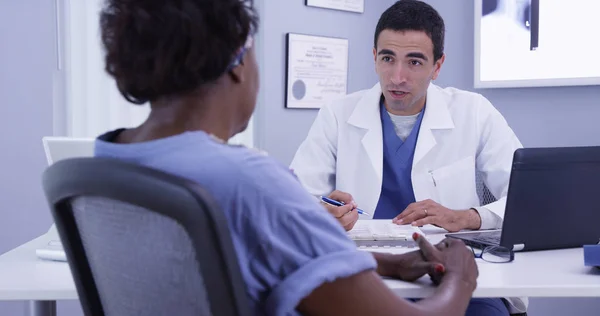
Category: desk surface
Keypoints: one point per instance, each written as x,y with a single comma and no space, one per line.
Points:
552,273
23,276
556,273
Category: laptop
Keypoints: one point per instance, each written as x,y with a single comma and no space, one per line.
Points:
552,201
59,148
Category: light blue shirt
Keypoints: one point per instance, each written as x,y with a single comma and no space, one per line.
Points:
287,244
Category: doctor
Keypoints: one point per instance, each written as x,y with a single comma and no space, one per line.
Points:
407,149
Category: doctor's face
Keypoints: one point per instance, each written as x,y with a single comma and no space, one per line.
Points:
405,65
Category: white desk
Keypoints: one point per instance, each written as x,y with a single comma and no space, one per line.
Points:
557,273
552,273
24,277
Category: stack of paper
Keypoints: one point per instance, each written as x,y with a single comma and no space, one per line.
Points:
377,232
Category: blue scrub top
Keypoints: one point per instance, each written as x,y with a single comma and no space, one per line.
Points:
396,188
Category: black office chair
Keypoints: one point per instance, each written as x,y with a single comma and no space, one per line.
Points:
143,242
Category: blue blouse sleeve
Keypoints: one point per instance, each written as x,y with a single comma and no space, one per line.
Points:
298,245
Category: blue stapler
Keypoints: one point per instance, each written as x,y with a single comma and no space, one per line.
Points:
591,255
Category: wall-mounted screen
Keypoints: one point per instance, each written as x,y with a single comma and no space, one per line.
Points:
534,43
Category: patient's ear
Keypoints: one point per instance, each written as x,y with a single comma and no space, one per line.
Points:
238,73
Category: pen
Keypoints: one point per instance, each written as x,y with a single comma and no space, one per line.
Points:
338,203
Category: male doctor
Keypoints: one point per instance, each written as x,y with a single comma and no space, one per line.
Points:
407,149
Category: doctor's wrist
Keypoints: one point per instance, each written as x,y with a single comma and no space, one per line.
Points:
471,219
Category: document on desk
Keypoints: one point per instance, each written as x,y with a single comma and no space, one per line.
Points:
382,233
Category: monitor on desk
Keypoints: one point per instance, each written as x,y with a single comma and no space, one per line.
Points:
59,148
56,149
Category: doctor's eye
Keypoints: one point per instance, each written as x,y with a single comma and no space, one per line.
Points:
386,59
415,62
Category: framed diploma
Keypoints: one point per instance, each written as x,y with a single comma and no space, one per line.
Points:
316,70
344,5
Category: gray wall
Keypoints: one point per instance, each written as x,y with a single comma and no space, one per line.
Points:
279,130
27,62
27,59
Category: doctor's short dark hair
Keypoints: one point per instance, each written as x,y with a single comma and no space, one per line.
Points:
161,48
414,15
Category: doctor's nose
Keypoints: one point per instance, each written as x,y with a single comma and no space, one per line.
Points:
398,76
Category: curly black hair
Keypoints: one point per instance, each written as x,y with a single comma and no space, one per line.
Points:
158,48
414,15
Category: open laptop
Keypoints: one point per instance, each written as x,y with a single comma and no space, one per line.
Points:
59,148
552,201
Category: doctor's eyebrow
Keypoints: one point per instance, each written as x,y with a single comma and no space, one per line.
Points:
386,52
417,55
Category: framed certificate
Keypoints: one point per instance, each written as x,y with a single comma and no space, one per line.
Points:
344,5
316,70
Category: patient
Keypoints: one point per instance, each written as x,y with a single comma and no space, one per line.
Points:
194,62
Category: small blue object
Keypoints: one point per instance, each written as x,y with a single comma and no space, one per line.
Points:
591,255
338,203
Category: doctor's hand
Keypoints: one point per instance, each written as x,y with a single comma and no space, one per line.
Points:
346,215
430,212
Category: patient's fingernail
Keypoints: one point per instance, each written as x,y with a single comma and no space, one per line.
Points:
399,221
439,268
415,236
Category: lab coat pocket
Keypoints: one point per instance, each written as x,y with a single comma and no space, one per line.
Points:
455,184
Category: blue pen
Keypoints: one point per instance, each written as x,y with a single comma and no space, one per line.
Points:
338,203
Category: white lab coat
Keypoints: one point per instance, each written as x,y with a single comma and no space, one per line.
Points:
461,133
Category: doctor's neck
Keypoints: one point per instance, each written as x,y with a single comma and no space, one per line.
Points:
404,107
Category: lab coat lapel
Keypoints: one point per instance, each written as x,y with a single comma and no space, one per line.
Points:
366,116
436,116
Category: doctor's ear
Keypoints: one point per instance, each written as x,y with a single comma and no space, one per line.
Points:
437,66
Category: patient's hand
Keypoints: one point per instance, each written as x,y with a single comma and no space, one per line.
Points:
413,265
448,259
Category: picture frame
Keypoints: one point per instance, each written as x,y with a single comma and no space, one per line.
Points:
357,6
316,70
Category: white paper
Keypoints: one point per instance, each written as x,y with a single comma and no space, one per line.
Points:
382,230
317,70
345,5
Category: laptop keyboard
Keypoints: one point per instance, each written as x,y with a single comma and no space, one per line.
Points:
488,238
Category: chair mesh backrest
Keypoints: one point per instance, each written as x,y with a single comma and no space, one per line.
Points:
143,263
484,194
